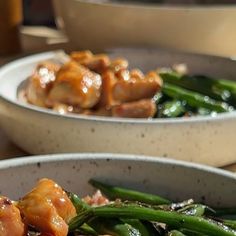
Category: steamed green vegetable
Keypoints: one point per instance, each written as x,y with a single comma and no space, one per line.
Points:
224,90
113,226
173,219
171,109
126,194
195,99
175,233
134,213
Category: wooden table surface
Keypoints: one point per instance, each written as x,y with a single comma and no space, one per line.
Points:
35,40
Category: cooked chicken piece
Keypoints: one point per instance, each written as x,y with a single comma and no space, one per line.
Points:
10,219
81,55
63,108
118,65
123,75
76,85
127,75
137,88
103,111
66,109
97,199
145,108
97,63
137,74
108,81
40,83
47,208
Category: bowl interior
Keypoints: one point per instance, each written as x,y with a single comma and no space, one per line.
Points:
172,179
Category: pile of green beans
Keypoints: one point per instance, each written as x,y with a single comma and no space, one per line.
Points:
185,95
135,213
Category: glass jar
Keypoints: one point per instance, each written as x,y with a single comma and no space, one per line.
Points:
10,20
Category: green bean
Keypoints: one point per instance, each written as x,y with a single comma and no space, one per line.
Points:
191,233
86,230
78,203
113,226
224,90
175,233
195,99
113,192
193,210
204,112
108,226
230,223
171,109
172,219
145,228
159,98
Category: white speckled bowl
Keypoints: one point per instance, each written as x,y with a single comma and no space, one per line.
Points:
209,140
172,179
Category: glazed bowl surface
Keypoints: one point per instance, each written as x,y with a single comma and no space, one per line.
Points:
172,179
208,140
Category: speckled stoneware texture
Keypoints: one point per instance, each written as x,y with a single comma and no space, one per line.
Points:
208,140
169,178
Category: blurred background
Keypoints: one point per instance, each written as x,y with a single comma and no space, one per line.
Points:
40,12
31,25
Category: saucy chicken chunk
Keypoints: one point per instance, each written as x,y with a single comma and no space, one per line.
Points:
137,87
95,84
41,82
76,85
145,108
10,219
47,208
97,63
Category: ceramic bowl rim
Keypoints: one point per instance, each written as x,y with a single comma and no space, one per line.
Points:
60,158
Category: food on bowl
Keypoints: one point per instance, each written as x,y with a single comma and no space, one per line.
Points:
90,84
94,85
49,210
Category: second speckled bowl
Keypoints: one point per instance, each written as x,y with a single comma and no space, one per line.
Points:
169,178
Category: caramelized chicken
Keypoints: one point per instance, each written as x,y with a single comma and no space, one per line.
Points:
92,84
108,81
119,64
97,63
145,108
47,208
137,74
10,219
41,82
136,87
63,108
76,85
123,75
